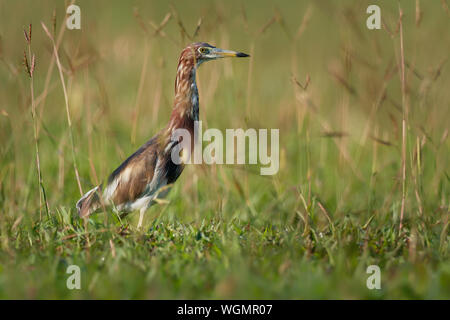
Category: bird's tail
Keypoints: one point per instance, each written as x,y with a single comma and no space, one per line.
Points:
90,202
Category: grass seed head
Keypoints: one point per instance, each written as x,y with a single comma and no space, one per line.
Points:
26,64
27,34
33,65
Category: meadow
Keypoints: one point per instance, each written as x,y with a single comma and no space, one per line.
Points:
364,150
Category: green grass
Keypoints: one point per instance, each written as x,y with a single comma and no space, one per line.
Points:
310,231
220,258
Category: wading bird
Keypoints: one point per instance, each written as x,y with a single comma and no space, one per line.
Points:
148,173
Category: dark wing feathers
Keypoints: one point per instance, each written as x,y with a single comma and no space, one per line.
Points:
131,158
133,178
134,174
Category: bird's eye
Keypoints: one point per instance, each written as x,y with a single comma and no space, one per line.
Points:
204,50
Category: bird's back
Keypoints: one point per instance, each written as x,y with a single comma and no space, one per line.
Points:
136,182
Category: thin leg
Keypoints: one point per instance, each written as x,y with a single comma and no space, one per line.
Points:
141,217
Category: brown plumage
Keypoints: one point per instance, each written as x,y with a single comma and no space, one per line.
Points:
148,173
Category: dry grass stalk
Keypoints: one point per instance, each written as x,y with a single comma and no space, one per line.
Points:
52,64
30,68
304,23
139,93
419,13
180,24
404,120
66,99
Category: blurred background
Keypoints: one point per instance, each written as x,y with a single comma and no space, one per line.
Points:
316,72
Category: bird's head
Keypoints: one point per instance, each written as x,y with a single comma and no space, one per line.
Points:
200,52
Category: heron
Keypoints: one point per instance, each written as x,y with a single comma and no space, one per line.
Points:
148,173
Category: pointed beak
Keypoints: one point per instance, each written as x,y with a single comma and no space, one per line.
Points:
221,53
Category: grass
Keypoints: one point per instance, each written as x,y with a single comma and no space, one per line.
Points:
363,118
